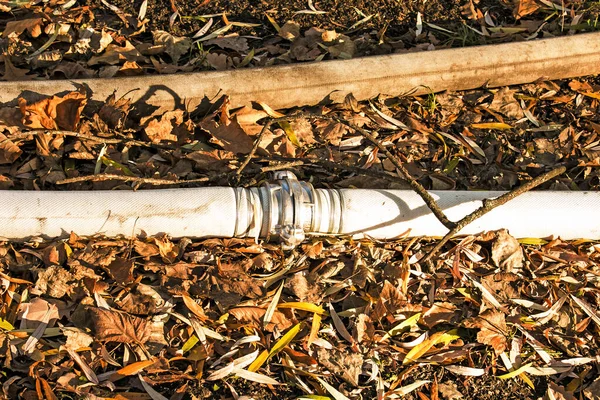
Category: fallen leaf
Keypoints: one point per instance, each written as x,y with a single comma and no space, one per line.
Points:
230,136
12,73
175,46
505,103
506,252
32,25
255,316
115,326
290,30
492,329
56,112
121,270
9,151
449,391
115,54
439,313
525,7
162,129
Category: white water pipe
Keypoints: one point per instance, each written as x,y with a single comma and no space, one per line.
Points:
288,209
308,83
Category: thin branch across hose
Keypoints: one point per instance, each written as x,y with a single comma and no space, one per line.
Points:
489,204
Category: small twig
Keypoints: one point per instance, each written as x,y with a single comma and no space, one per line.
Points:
134,142
489,205
257,141
126,178
414,184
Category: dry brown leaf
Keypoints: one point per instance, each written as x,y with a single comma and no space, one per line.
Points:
504,102
232,278
168,251
76,338
32,313
145,250
121,270
254,316
230,136
31,25
556,392
439,313
219,61
449,391
290,30
525,7
9,152
55,281
214,160
115,54
331,131
343,47
492,329
115,326
592,392
174,46
391,297
56,112
161,129
12,73
506,252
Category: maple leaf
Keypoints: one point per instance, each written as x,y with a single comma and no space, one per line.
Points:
492,329
56,112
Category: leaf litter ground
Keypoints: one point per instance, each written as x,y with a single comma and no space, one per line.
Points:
155,317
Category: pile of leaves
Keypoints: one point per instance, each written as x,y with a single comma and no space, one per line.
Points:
482,139
147,317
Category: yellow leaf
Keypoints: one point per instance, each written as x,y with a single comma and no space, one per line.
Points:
532,241
260,360
285,339
407,323
190,343
272,113
516,372
289,131
419,350
277,347
301,305
272,21
314,329
527,380
4,324
491,125
449,337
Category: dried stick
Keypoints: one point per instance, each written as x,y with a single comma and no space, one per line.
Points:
134,142
489,204
266,126
414,184
126,178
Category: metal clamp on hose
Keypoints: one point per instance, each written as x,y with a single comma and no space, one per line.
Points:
288,208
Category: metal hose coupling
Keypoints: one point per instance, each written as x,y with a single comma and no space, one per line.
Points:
293,208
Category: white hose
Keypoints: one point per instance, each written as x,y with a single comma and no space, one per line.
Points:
289,209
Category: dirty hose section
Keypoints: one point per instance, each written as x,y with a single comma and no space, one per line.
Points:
309,83
288,210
